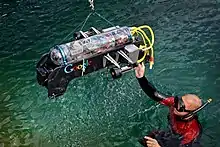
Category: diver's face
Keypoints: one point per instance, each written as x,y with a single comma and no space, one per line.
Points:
180,107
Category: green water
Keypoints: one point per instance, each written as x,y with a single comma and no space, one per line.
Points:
95,112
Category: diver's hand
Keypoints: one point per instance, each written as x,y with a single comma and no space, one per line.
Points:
151,142
139,70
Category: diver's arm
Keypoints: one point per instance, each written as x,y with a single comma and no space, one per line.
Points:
150,90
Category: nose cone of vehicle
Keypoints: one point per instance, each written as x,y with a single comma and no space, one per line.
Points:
56,56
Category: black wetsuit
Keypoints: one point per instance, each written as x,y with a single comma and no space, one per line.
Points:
182,133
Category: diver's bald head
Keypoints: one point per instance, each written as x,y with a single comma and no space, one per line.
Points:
191,101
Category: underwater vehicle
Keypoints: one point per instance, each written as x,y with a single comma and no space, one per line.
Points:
120,48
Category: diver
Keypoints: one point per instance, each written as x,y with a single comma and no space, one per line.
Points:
184,127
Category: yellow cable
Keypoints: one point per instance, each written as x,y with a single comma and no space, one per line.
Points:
142,38
151,31
140,60
145,45
133,32
139,31
146,37
152,34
